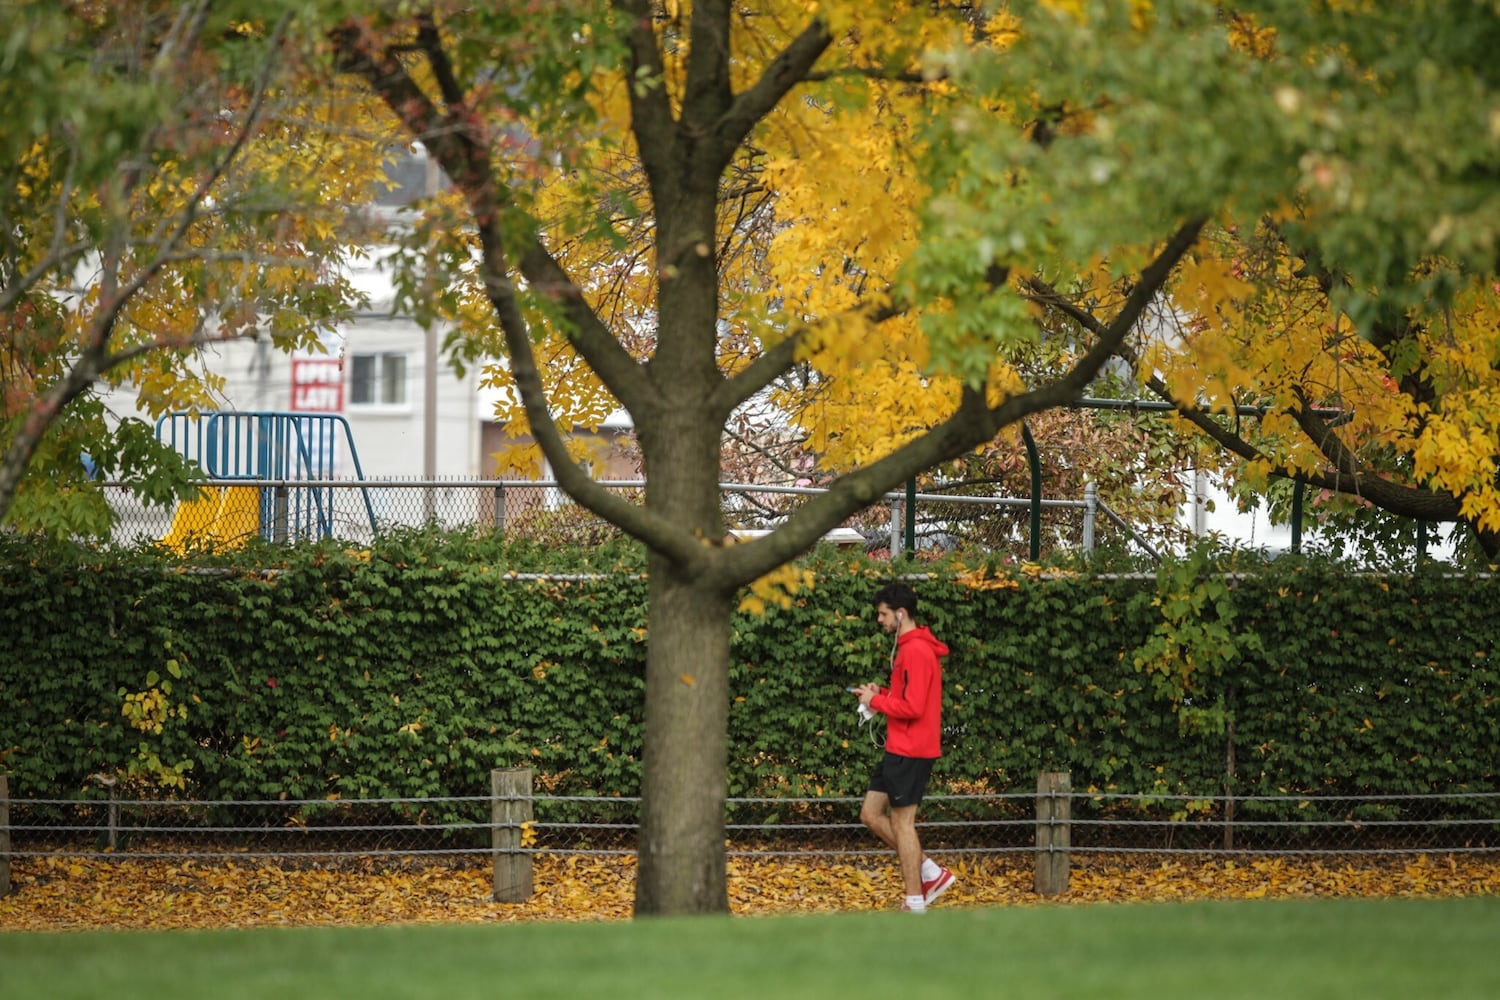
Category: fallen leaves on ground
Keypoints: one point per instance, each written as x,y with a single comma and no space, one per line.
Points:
58,892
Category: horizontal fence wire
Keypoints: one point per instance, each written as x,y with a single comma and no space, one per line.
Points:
460,827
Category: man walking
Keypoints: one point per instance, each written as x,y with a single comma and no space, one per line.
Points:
913,706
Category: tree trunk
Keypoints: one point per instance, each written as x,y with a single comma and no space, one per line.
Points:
684,780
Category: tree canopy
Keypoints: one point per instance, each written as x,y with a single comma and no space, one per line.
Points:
1346,153
629,148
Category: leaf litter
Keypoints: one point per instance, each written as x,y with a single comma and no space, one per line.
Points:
61,892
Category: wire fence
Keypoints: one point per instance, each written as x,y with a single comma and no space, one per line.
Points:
229,511
399,829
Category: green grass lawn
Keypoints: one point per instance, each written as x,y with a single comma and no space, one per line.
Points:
1439,948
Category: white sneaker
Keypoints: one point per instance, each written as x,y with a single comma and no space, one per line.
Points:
932,890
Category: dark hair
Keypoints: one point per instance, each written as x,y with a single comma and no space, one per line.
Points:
896,595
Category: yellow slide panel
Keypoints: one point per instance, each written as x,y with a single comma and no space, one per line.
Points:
220,517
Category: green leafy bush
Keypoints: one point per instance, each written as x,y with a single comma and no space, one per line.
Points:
413,668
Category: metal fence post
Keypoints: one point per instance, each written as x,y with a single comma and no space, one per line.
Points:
4,835
1090,514
911,520
279,513
1054,809
499,517
112,812
510,813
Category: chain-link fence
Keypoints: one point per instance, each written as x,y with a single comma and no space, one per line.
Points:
987,824
227,511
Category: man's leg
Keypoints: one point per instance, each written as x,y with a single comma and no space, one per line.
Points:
874,813
903,827
896,826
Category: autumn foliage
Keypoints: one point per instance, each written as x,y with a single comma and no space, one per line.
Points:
60,893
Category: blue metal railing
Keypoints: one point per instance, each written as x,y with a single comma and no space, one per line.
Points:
259,445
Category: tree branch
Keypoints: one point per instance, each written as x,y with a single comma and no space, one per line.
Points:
706,91
789,68
1346,476
646,82
775,362
974,423
431,45
635,521
457,140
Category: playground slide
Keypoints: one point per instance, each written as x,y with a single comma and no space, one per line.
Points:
225,516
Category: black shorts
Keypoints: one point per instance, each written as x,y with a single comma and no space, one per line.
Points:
903,779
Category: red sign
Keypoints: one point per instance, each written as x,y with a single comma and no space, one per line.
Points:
317,385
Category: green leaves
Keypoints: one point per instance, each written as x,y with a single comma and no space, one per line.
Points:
413,669
1366,132
1196,643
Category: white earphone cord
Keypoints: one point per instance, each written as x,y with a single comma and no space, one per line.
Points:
875,738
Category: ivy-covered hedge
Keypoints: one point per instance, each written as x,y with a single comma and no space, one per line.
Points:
412,669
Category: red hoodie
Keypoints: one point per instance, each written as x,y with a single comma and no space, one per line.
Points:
913,703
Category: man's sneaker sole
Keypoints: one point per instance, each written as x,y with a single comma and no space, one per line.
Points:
932,890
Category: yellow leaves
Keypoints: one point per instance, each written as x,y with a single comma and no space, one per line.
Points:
60,893
687,680
1210,283
1255,326
777,587
1247,36
149,710
1035,571
1455,450
523,459
36,170
867,410
1187,878
981,579
1002,29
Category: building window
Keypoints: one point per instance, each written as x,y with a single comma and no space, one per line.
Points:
377,379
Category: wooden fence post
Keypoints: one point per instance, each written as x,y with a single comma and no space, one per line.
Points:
510,807
1054,810
4,835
